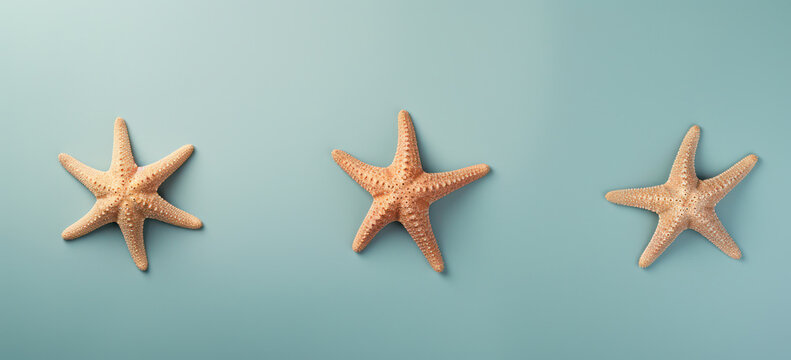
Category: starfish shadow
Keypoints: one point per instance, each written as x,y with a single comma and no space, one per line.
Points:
437,213
177,174
395,230
727,210
678,247
730,213
173,178
442,207
152,225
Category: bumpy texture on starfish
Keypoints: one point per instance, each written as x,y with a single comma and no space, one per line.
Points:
403,192
686,202
127,194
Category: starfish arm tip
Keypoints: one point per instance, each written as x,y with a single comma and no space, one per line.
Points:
67,235
196,224
753,157
694,131
338,156
188,149
645,261
67,160
438,267
64,160
142,266
610,196
357,248
403,113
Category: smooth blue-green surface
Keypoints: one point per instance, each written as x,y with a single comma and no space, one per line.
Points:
564,100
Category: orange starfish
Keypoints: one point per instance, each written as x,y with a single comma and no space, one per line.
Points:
686,202
127,194
403,191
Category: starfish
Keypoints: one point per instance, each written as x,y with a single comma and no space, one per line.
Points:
127,194
686,202
403,191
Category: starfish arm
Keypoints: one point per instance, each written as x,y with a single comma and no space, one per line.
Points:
712,229
416,221
670,225
103,212
719,186
379,215
683,172
92,179
123,163
150,177
155,207
131,222
655,198
407,159
371,178
437,185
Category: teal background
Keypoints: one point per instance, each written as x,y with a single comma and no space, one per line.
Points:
565,100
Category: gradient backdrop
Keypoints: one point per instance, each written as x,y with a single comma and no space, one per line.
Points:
565,100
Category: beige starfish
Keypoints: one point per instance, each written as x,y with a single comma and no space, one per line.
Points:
127,194
403,192
686,202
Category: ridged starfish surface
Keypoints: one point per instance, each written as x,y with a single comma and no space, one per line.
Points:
403,192
686,202
127,194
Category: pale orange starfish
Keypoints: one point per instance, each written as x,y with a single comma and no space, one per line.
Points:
686,202
127,194
403,191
